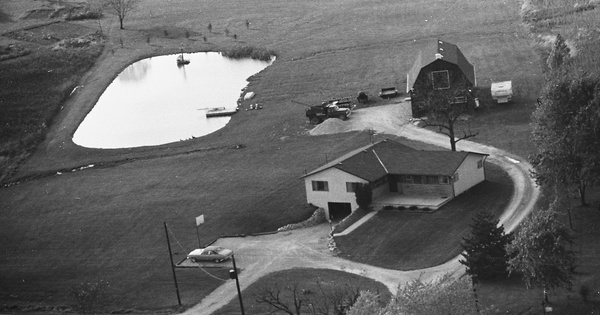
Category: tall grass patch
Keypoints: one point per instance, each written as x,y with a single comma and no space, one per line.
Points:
239,52
32,90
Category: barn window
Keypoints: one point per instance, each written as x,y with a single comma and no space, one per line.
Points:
440,80
318,185
455,177
351,186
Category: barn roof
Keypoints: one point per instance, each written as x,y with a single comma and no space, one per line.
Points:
440,50
376,160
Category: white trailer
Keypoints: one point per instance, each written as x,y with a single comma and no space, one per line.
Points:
502,91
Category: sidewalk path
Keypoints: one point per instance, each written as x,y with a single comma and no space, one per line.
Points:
257,256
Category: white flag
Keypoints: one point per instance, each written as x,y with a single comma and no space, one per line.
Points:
199,220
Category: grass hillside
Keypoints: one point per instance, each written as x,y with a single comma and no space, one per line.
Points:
60,227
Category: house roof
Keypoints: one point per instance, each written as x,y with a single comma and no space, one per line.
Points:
376,160
440,50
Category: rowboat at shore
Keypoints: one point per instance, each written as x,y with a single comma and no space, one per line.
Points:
220,111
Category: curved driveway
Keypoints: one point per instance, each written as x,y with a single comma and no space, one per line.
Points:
308,248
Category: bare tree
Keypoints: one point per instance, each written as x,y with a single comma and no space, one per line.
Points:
121,8
277,298
293,300
444,108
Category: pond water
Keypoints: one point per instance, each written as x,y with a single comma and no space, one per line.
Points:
154,101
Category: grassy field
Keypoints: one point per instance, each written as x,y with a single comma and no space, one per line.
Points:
61,228
421,240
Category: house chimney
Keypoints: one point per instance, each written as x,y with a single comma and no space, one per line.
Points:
438,56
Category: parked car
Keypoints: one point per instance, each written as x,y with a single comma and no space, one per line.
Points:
210,253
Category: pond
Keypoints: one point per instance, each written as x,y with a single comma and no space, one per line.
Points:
154,101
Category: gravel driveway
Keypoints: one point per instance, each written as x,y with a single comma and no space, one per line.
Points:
257,256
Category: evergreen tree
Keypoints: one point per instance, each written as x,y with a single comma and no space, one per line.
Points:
559,55
485,248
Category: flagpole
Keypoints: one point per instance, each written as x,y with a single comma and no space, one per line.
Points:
198,235
199,220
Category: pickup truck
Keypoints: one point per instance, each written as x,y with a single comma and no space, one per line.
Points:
318,113
344,102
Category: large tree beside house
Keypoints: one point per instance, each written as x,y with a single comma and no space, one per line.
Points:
566,132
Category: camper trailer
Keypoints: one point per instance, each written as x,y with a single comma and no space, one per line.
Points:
502,91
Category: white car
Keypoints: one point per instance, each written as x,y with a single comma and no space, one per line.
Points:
210,253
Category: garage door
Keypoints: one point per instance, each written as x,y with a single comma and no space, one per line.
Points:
339,210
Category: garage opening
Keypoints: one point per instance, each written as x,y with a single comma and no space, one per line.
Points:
339,210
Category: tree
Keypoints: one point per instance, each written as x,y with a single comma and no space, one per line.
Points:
559,55
444,295
485,248
121,8
293,300
364,195
566,132
444,108
541,251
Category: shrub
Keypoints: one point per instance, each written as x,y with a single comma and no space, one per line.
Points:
364,195
88,14
584,292
239,52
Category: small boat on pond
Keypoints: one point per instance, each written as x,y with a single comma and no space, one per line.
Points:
182,61
220,111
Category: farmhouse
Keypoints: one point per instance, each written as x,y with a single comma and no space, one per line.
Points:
397,174
440,66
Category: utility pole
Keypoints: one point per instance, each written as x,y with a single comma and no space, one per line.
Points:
233,275
172,265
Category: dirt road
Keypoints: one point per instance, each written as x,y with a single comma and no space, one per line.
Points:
307,248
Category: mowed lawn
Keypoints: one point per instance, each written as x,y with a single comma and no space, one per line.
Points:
312,285
407,240
106,222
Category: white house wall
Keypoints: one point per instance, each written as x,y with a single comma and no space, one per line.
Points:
468,174
336,180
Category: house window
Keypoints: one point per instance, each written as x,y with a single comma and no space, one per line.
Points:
443,180
417,179
480,164
380,182
351,187
318,185
432,180
440,80
406,179
455,177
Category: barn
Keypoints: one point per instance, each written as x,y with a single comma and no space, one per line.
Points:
439,66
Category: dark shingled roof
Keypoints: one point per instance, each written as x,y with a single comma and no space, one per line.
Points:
449,52
376,160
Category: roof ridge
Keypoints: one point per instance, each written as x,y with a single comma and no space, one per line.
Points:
380,162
